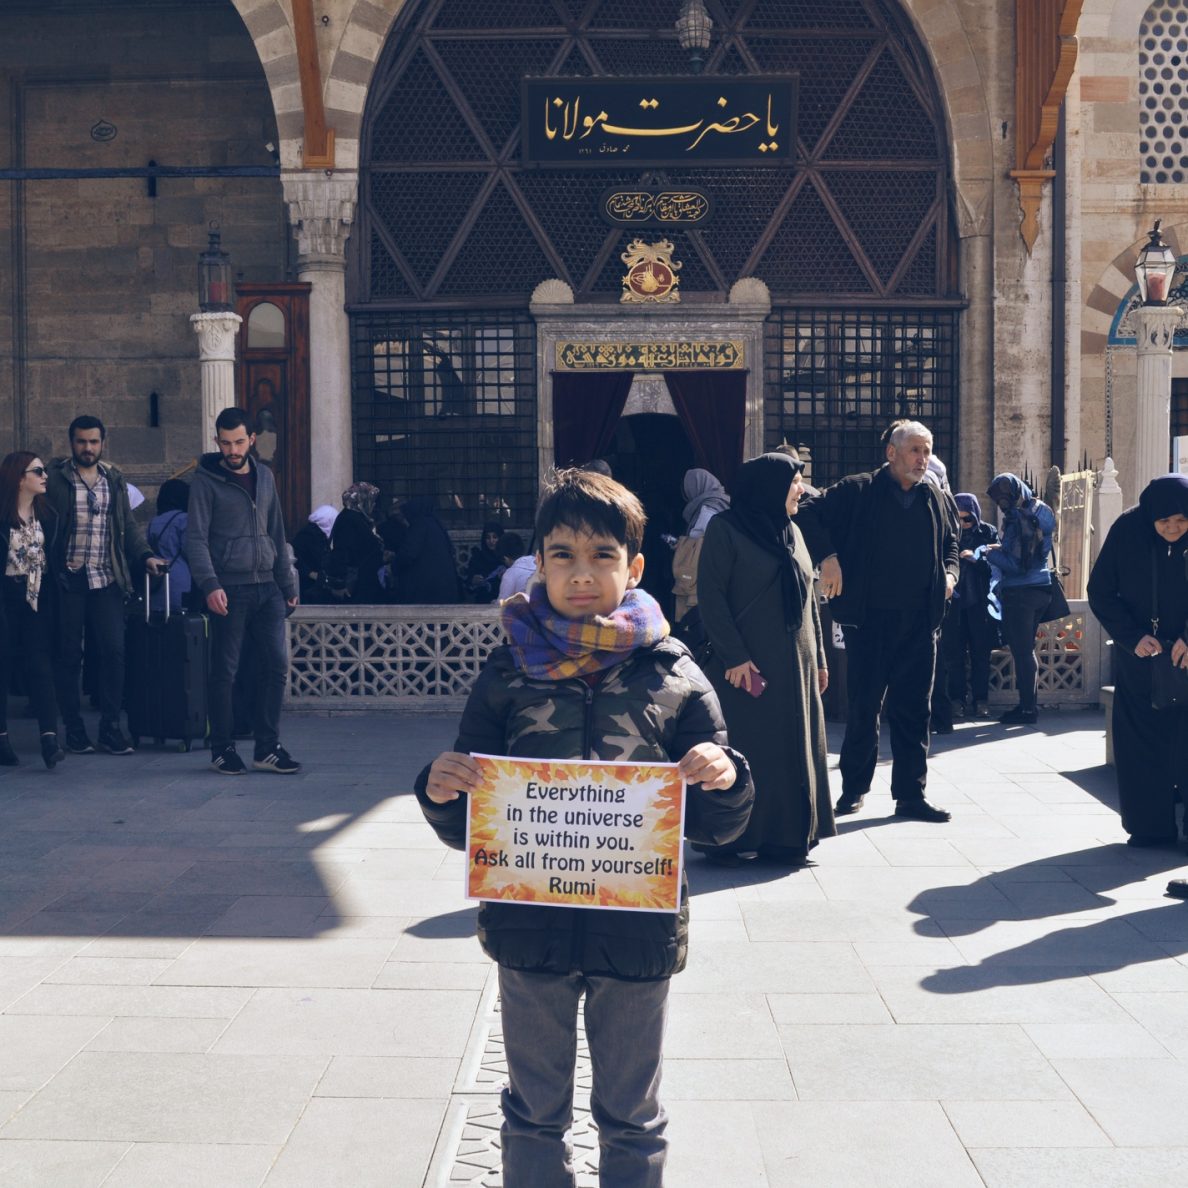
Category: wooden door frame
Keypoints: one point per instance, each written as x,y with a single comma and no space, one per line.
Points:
292,297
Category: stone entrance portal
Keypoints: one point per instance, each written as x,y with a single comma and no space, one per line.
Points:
649,340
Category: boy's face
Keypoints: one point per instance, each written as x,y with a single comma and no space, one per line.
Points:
585,573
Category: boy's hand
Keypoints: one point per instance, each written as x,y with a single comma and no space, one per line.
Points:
451,774
708,765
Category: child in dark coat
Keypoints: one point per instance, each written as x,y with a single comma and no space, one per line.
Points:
590,673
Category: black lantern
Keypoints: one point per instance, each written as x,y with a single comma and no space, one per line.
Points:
214,276
1155,268
693,28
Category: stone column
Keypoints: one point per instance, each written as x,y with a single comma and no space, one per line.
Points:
321,209
1155,327
216,348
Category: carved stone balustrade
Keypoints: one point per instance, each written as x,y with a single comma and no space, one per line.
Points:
426,658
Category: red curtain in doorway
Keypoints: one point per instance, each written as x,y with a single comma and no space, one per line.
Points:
712,407
586,409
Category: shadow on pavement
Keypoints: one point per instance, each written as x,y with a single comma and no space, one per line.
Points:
156,845
1029,892
448,926
1151,934
706,878
1099,782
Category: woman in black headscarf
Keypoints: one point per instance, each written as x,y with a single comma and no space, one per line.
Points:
484,561
1139,592
423,562
356,551
754,587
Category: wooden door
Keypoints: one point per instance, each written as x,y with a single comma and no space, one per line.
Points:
272,386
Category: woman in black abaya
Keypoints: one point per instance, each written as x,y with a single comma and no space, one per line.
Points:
1138,590
754,588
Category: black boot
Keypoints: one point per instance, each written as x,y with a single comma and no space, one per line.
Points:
7,754
50,751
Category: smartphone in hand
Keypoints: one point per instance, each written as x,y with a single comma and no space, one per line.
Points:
755,684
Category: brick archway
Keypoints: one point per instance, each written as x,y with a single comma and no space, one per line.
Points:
368,22
1112,289
356,41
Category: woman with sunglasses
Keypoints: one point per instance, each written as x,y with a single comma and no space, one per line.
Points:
28,529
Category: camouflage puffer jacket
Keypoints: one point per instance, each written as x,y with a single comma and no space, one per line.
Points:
654,706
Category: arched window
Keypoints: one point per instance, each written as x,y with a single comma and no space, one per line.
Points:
1163,92
449,215
855,237
266,327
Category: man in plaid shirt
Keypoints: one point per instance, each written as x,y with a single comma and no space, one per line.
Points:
98,551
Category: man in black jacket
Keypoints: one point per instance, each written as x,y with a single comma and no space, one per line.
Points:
892,537
235,542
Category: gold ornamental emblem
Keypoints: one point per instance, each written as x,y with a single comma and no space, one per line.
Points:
651,272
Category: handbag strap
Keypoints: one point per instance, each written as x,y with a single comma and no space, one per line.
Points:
1155,593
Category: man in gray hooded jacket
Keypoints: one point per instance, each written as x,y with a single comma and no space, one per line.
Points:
235,542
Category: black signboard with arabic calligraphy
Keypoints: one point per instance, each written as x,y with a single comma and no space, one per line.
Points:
615,122
649,356
641,206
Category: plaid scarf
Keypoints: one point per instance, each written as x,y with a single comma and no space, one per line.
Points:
549,647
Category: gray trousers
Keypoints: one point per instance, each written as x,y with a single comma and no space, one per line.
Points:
625,1030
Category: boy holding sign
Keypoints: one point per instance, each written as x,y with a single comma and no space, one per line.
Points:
590,673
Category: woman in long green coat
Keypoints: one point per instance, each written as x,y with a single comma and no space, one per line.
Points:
755,590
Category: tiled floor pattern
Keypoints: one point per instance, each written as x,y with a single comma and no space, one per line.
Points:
468,1152
274,983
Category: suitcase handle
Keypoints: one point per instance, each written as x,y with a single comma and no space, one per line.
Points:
148,610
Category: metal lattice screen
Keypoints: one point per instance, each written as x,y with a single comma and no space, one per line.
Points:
1163,85
449,216
836,378
445,410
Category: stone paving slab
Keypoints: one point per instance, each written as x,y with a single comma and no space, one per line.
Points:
274,981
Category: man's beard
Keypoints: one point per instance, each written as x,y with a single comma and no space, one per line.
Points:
86,457
235,463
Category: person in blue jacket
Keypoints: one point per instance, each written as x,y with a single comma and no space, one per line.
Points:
1024,582
167,538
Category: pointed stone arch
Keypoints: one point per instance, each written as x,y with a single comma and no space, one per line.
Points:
345,80
352,67
271,32
963,95
368,23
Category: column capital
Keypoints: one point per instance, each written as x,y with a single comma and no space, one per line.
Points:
216,334
1155,327
321,210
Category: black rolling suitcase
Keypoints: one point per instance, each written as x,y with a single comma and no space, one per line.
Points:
167,659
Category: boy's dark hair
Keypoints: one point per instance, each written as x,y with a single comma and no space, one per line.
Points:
174,495
587,502
86,422
231,418
510,547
